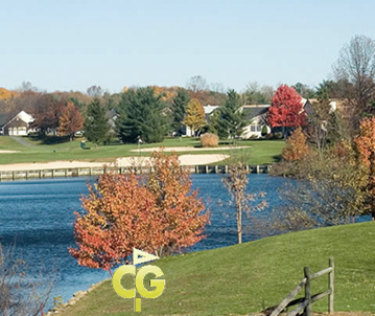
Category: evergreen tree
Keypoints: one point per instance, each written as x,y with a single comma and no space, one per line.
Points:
141,114
195,118
232,117
216,125
96,124
179,106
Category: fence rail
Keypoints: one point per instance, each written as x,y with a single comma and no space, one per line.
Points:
95,171
304,303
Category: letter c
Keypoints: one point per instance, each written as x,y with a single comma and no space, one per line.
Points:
116,281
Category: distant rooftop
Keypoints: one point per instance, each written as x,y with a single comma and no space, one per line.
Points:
208,109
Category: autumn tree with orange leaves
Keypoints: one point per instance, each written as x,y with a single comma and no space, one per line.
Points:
6,94
366,147
71,120
296,147
157,214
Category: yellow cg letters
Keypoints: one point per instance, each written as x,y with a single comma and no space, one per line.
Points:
158,284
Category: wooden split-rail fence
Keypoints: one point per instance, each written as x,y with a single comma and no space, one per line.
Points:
95,171
303,305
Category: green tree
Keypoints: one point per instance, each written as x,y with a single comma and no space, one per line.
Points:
195,118
141,115
232,117
216,126
304,90
96,124
179,106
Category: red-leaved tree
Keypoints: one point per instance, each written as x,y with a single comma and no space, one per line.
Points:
157,214
286,109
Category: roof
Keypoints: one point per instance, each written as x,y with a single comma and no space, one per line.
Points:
252,111
110,114
208,109
5,118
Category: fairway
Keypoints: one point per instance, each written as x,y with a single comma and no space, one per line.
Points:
257,151
250,277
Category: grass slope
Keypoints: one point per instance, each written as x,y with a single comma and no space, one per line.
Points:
259,152
250,277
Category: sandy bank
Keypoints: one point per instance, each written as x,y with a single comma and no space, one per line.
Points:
193,149
186,160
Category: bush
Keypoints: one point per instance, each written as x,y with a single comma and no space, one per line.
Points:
296,147
209,140
278,135
159,214
264,130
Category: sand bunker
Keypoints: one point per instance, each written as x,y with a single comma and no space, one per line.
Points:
186,160
194,149
8,151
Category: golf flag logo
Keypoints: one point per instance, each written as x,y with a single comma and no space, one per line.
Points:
139,257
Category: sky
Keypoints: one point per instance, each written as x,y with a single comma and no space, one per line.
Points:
73,44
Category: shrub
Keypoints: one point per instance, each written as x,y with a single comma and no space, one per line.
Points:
296,147
264,130
157,213
278,135
209,140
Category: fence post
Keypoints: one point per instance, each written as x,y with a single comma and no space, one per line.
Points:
307,292
331,297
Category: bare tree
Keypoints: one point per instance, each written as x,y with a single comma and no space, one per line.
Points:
27,86
20,294
217,87
95,91
356,66
236,183
197,83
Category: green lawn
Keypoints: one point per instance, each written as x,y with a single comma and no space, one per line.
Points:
258,152
250,277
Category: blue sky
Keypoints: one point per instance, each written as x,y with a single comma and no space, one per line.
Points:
73,44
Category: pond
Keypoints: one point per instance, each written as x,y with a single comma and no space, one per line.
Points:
36,217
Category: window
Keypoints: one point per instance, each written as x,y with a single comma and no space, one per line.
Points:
252,128
259,128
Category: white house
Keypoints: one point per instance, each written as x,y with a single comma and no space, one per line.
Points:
257,117
16,124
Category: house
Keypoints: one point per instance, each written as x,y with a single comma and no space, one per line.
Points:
111,116
208,110
257,117
16,124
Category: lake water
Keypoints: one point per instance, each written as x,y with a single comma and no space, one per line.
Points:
37,218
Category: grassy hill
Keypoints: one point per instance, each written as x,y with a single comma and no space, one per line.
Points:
250,277
53,148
